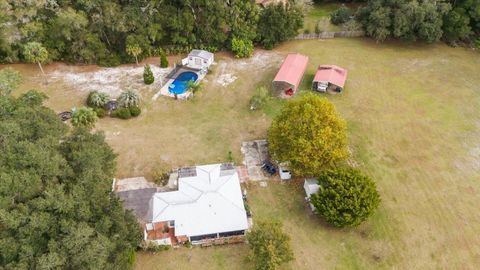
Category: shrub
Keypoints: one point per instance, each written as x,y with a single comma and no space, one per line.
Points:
309,134
84,117
152,247
97,99
123,113
148,75
477,43
129,98
322,25
160,175
112,60
346,197
259,100
242,47
163,60
100,112
318,28
341,15
352,25
135,111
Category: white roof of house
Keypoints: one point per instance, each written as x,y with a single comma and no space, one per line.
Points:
202,54
208,202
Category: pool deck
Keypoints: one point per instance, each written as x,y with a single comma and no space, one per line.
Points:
184,96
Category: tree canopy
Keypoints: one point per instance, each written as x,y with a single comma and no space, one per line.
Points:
270,246
57,210
110,32
346,197
34,52
278,23
309,134
404,19
10,79
462,21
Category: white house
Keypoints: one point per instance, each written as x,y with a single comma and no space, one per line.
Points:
199,59
311,186
208,205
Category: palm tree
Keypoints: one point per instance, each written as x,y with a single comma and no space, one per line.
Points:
84,117
129,98
135,51
34,52
97,99
194,86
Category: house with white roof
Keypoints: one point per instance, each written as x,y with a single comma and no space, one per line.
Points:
208,206
199,59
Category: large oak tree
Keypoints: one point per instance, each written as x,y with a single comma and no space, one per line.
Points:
309,134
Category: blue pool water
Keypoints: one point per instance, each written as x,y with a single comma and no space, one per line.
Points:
180,84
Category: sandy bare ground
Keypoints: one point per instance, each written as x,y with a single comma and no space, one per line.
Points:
227,70
109,80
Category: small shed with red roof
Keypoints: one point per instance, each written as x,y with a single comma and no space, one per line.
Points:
290,75
329,77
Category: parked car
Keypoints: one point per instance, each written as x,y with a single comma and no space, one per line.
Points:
269,168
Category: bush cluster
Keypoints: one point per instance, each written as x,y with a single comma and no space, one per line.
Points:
126,113
242,48
341,15
128,100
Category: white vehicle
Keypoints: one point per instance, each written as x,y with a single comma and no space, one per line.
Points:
284,172
322,86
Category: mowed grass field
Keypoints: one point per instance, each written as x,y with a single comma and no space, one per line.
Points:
413,125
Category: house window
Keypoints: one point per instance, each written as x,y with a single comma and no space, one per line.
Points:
202,237
171,223
232,233
204,61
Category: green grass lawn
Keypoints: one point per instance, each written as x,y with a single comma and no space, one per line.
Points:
413,125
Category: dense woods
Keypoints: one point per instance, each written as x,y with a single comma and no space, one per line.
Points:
424,20
113,31
57,210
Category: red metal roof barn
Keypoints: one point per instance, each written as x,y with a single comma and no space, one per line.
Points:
288,78
329,77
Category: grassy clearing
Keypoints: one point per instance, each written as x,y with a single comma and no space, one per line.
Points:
412,113
320,14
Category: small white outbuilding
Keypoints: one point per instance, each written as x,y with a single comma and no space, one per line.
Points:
199,59
311,186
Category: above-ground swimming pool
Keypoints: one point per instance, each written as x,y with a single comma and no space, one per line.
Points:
180,84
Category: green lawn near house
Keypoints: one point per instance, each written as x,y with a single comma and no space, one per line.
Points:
413,125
